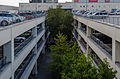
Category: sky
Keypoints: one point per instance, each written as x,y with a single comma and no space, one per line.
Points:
16,2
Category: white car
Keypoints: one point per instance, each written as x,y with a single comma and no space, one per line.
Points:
19,39
5,20
18,18
117,12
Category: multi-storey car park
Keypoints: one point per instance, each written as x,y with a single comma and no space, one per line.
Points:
98,37
17,60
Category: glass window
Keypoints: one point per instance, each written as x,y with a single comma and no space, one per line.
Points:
1,15
97,14
9,15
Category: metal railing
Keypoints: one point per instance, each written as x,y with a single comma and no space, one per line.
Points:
40,44
22,45
13,21
2,62
111,20
23,67
83,30
101,44
117,63
83,44
39,31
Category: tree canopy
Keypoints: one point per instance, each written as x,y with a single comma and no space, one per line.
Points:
67,62
60,20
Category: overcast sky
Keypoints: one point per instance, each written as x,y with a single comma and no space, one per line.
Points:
16,2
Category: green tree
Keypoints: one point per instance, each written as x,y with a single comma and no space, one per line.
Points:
68,63
105,72
60,20
57,52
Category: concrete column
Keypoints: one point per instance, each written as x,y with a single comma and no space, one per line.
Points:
79,37
8,53
43,38
117,51
113,49
12,56
43,25
42,1
89,31
79,25
34,32
43,50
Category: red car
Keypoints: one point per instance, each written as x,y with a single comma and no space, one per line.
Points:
27,15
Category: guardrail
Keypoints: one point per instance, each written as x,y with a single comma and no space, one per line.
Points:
23,67
13,21
101,44
83,44
83,30
104,19
22,45
39,31
40,44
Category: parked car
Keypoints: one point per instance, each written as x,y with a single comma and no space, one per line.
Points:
98,15
117,12
19,39
26,15
6,19
18,18
112,12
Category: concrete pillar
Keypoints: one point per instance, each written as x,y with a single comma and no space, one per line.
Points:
43,50
42,1
89,31
43,38
12,56
79,37
79,25
113,49
34,31
43,25
8,52
117,51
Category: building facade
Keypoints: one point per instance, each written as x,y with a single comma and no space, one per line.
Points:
96,1
8,8
75,6
43,1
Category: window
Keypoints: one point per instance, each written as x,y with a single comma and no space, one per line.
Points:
1,15
92,5
97,14
8,15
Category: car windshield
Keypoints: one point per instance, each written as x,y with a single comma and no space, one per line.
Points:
22,13
29,13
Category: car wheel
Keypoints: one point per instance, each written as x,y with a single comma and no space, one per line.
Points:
18,20
21,40
4,23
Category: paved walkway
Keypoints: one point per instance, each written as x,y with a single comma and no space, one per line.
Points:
43,72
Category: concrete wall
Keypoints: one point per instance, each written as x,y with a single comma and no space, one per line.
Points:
8,8
75,6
